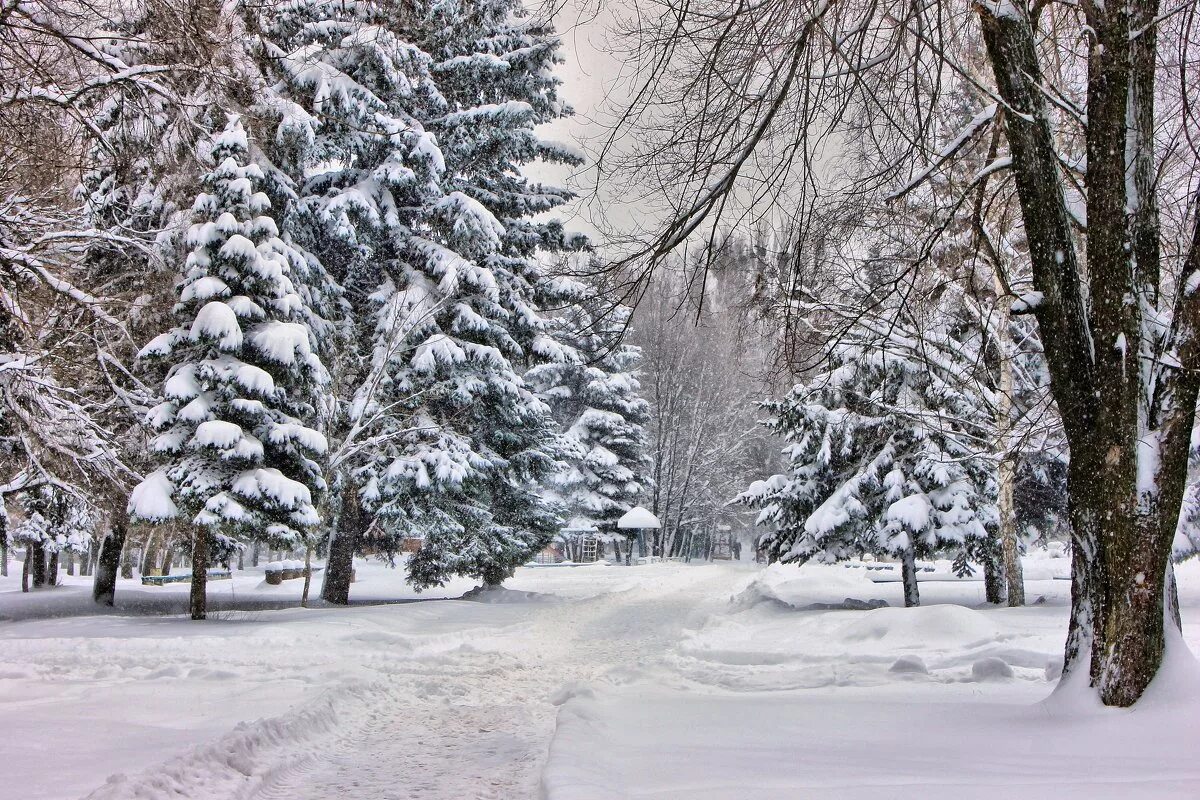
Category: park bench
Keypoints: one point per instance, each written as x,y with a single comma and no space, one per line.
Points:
279,571
185,577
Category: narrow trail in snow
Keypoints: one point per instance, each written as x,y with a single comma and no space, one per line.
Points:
478,727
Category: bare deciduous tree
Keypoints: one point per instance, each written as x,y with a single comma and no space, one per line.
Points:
802,106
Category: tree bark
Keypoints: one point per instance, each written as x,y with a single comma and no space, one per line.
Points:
339,567
25,569
108,560
37,568
199,595
993,578
1010,548
3,559
52,569
70,562
908,576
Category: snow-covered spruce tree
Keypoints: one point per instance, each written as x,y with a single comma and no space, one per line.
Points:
235,447
351,91
183,63
494,67
596,401
883,460
410,194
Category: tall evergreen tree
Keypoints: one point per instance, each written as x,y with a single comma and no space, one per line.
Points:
236,449
404,128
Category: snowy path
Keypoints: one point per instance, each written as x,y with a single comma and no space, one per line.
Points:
478,726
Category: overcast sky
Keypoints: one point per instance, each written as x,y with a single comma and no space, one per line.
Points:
589,75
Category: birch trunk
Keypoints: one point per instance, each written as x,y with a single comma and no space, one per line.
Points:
908,576
307,576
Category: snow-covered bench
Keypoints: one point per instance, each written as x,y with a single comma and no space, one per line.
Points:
185,577
279,571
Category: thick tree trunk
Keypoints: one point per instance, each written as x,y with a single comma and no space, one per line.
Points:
199,595
52,569
339,567
70,562
254,553
908,576
25,569
37,567
1128,415
3,560
108,560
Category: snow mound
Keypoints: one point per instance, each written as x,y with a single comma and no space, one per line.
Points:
991,669
910,665
849,604
811,587
495,595
923,627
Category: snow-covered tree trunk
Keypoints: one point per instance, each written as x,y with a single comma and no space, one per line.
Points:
908,577
151,552
1006,473
168,556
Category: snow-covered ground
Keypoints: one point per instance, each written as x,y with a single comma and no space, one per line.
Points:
665,681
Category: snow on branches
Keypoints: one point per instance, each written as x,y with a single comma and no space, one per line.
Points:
235,447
